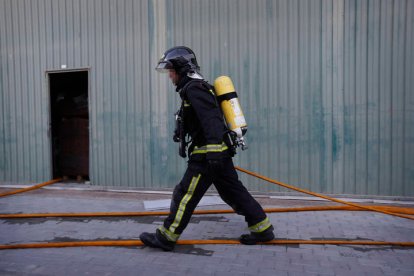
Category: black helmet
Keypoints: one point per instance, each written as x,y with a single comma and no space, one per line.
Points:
180,58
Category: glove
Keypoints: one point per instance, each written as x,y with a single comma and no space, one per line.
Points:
176,137
215,166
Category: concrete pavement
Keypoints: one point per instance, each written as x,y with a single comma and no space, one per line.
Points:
198,259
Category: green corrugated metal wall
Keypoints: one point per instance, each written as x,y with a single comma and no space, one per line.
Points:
326,86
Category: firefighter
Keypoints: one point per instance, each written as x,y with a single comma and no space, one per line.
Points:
210,160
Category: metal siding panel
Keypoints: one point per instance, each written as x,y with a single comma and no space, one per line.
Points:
139,178
409,104
130,118
316,147
21,99
373,97
113,95
106,99
249,58
385,93
338,96
47,61
115,127
267,43
78,14
159,139
53,10
3,72
69,57
361,96
101,170
123,93
282,135
272,79
304,99
10,96
62,32
28,89
104,165
293,97
43,160
397,100
16,155
349,97
34,88
129,139
22,102
32,15
155,82
265,109
146,66
327,87
89,53
38,35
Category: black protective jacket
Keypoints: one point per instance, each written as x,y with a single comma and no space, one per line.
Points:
203,120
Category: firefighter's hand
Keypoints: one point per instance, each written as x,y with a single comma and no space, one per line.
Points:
215,166
176,138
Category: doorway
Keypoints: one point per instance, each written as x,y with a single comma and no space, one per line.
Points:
69,123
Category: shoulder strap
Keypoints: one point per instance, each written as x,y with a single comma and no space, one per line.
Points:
183,91
185,87
210,89
207,86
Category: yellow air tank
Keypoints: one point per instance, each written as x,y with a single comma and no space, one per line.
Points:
229,103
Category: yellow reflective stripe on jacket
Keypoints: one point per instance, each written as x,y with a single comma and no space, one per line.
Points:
210,148
187,104
261,226
168,234
183,203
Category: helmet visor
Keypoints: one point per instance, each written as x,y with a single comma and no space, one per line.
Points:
163,66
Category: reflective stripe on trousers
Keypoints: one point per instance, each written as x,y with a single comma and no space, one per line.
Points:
261,226
169,233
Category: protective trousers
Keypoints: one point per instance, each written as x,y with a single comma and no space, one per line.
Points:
196,181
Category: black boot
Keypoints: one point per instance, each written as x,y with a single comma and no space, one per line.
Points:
156,240
254,238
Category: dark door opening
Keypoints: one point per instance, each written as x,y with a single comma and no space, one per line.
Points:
69,124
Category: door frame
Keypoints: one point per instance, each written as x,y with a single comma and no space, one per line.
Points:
49,112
